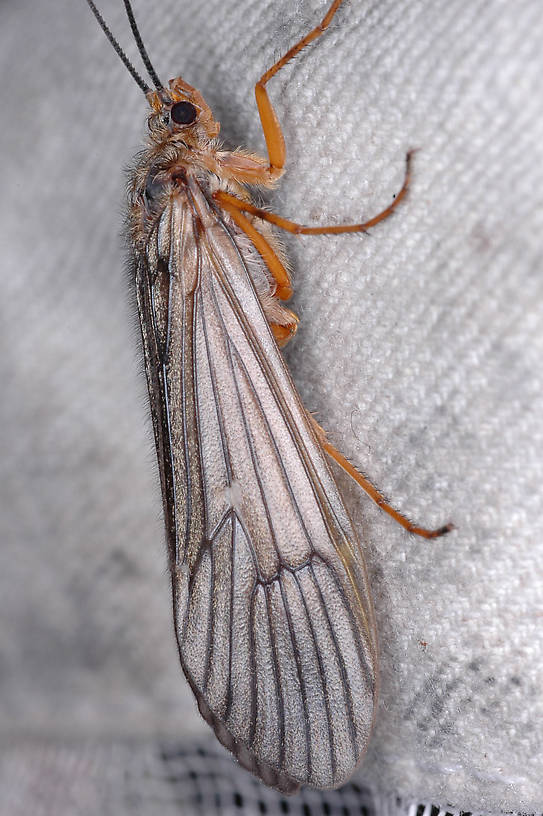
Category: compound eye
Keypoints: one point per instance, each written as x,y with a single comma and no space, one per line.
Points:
183,113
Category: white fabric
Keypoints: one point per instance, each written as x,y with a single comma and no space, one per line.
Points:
419,349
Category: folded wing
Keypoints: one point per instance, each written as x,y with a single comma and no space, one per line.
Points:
273,618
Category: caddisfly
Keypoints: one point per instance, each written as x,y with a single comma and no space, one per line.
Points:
272,607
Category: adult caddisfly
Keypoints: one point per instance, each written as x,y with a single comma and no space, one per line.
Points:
272,608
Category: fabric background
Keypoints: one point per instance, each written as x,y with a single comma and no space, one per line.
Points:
419,349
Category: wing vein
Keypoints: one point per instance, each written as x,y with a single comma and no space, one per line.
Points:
275,389
322,675
158,394
355,625
250,441
234,521
277,677
248,434
166,349
211,624
196,311
224,441
301,679
231,626
341,662
252,657
278,457
186,453
168,419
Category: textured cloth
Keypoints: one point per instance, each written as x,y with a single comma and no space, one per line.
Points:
419,350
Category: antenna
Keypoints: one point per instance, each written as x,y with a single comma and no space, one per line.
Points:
141,48
139,42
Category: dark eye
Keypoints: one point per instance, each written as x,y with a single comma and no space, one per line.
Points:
183,113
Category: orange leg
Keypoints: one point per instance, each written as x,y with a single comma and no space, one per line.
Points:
284,333
231,202
273,134
232,206
275,144
377,497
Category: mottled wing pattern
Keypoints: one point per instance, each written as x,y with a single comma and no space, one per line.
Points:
272,612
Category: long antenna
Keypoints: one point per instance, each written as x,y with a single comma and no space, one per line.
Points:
141,48
119,51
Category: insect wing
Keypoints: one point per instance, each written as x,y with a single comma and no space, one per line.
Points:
273,619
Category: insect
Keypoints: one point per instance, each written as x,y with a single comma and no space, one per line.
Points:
272,608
